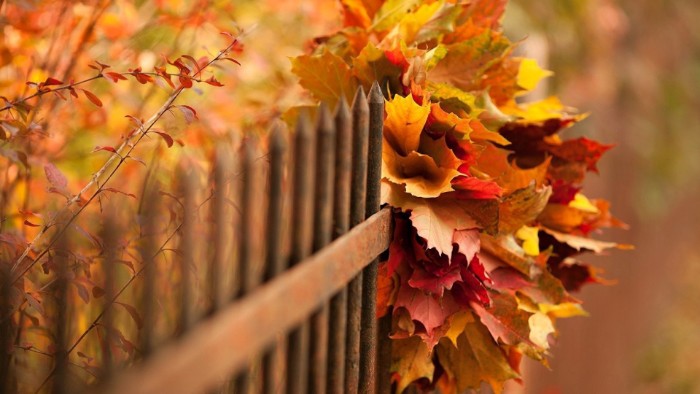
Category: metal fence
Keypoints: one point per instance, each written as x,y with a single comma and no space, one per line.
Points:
302,318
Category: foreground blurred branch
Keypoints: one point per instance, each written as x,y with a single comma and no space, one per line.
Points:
76,204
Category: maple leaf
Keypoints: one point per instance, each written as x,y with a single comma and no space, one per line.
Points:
359,12
372,64
435,219
486,13
522,207
474,358
428,309
580,243
471,289
467,61
428,22
326,76
504,320
391,12
541,327
468,242
410,361
420,173
506,249
561,264
494,162
387,285
580,150
403,123
435,279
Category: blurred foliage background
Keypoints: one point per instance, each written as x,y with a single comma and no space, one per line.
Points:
635,66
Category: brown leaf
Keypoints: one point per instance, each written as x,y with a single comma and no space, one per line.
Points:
410,361
475,358
522,207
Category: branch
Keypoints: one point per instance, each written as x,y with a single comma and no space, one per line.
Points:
122,153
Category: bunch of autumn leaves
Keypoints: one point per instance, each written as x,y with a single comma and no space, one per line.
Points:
487,206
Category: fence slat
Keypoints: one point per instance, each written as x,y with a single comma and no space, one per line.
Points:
247,232
323,227
297,347
110,229
335,383
147,251
368,332
283,303
219,231
60,375
272,378
360,130
187,246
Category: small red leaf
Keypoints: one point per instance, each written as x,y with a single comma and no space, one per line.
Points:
164,74
168,139
107,148
52,81
73,92
193,61
93,99
100,66
30,224
185,82
213,82
114,77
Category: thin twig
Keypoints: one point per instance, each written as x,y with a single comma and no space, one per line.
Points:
122,153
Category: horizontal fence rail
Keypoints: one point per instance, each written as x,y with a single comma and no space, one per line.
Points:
236,334
274,293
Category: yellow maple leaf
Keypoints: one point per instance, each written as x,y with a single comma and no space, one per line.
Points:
404,122
326,76
530,74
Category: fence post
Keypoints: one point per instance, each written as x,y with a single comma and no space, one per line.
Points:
368,341
341,205
274,261
323,227
360,129
297,347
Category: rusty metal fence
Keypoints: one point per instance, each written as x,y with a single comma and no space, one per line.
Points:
302,317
